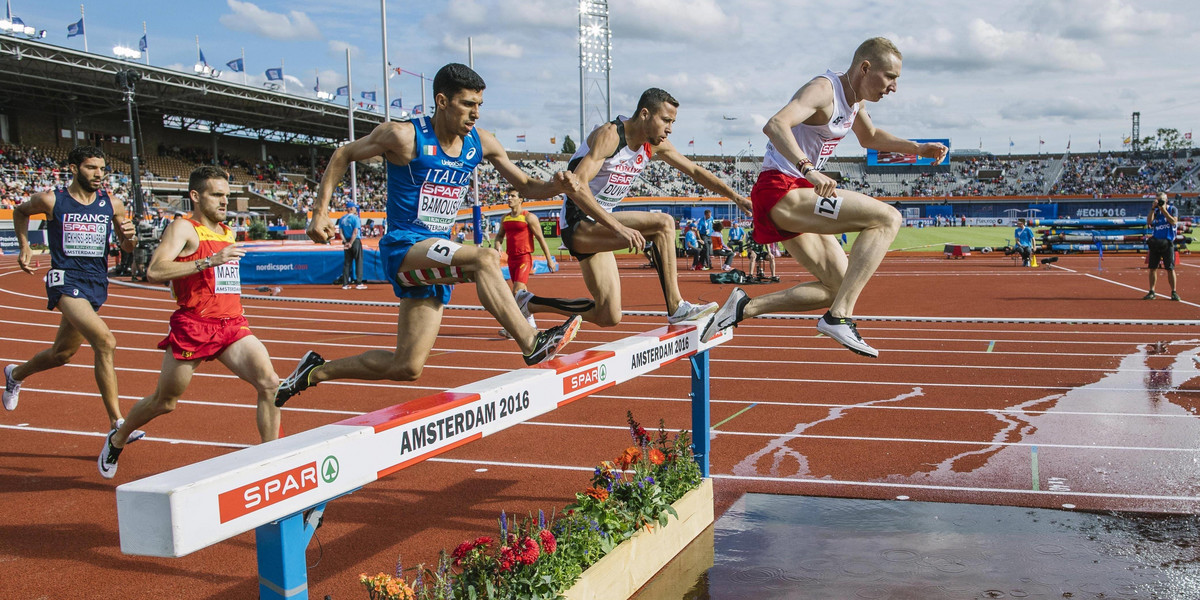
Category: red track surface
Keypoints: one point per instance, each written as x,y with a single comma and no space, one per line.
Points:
949,412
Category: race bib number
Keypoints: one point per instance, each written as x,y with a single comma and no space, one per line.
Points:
827,148
615,190
228,278
829,207
84,239
438,205
442,251
56,277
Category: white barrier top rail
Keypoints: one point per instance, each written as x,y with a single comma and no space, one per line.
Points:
186,509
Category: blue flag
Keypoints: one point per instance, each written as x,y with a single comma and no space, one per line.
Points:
343,91
236,65
18,21
203,60
368,96
275,74
419,109
317,88
73,29
396,103
143,44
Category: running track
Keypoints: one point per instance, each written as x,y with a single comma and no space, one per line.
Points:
1098,416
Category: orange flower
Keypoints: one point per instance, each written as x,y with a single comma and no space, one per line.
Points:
656,457
600,494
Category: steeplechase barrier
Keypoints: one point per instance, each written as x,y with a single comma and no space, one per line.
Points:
279,489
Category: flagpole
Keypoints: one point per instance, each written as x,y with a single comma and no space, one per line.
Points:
281,75
476,207
243,65
85,48
387,98
197,48
424,106
147,50
350,114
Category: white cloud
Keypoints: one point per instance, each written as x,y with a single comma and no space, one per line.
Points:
338,48
295,81
1065,108
985,46
702,22
483,45
1103,20
248,17
498,120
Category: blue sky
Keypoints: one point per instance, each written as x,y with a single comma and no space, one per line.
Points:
973,72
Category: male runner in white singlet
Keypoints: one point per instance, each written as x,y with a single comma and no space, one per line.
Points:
797,205
609,162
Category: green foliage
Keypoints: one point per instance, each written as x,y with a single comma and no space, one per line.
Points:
538,560
568,146
298,221
257,230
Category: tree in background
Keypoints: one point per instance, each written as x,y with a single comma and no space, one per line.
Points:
1166,139
568,146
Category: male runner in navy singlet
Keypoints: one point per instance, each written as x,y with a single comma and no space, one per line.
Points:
80,217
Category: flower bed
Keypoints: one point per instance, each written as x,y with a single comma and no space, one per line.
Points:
616,535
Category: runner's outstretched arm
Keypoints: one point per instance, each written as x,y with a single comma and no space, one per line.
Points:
393,140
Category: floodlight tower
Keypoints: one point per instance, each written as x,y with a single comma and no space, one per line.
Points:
595,65
1136,133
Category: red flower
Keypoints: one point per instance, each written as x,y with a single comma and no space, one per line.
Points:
482,541
548,542
508,558
461,552
656,457
529,551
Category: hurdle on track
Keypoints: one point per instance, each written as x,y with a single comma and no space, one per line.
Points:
279,489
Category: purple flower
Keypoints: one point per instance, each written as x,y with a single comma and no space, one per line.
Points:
399,567
541,519
503,525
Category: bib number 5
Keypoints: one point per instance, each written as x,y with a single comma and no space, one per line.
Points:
442,251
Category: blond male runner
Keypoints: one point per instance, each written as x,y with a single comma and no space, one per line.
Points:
609,162
80,218
429,163
792,197
200,257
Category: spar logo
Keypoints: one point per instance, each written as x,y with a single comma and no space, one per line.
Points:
583,379
260,494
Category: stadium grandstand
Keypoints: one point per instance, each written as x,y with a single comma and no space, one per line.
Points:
275,147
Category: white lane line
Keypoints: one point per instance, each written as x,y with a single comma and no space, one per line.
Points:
751,478
993,411
349,413
868,484
857,438
1139,290
145,439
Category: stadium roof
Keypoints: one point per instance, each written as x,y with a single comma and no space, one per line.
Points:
44,78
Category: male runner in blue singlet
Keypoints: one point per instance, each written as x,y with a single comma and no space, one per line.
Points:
429,163
80,217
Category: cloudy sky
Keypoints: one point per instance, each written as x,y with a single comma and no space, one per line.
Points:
974,72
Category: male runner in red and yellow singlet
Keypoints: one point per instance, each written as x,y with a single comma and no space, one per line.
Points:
200,259
517,230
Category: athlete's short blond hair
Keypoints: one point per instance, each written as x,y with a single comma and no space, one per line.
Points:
875,50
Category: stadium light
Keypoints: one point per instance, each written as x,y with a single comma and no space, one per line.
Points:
203,69
17,28
126,53
325,96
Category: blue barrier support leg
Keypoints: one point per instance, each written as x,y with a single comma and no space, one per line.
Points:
701,416
282,572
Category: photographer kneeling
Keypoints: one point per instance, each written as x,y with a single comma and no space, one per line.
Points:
1161,245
